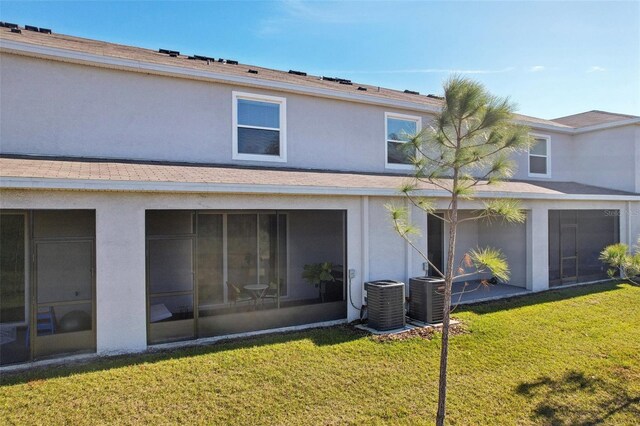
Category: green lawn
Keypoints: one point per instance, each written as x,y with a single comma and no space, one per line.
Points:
564,357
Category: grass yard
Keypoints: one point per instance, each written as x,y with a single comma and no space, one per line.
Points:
565,357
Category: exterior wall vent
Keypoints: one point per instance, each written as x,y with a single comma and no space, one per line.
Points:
385,304
426,299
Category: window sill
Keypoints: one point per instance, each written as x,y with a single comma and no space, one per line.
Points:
398,166
259,157
537,175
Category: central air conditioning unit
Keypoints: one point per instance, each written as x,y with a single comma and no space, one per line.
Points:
385,304
426,299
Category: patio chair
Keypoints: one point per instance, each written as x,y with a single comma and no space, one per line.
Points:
235,294
46,321
270,293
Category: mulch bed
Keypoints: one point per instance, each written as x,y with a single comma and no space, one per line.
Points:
426,333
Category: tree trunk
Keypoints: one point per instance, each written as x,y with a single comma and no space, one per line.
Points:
448,281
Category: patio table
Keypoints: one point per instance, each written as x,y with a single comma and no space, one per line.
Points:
257,291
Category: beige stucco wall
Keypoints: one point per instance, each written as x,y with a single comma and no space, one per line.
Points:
634,222
62,109
561,159
637,151
54,108
387,250
607,158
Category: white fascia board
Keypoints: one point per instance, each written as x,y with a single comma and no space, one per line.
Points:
197,187
604,126
580,130
548,127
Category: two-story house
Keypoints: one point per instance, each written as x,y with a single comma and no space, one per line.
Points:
150,197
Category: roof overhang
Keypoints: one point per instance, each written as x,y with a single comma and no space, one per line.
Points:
268,189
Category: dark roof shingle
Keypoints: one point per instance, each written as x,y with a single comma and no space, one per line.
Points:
592,118
145,172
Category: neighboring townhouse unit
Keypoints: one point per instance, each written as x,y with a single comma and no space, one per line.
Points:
150,197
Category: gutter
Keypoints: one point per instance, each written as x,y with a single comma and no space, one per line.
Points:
595,127
226,188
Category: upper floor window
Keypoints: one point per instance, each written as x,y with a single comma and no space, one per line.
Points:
259,127
399,129
539,157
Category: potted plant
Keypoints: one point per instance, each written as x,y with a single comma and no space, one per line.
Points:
318,274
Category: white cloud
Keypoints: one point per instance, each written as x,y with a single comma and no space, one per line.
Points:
596,68
307,11
537,68
297,11
421,71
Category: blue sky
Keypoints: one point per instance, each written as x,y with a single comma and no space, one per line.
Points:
551,58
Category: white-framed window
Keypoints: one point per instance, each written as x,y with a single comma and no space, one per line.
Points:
398,129
540,156
259,127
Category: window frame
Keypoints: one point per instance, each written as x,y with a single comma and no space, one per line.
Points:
387,115
282,103
547,138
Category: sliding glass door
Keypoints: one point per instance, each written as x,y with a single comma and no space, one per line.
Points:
14,297
170,276
242,249
241,260
47,284
210,265
63,317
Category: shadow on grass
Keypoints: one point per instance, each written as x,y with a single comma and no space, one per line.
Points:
568,400
320,337
539,298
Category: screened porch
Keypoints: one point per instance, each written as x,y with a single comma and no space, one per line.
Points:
212,273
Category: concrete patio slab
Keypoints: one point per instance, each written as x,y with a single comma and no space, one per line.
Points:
474,292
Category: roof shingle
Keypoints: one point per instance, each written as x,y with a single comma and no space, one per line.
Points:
592,118
119,171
